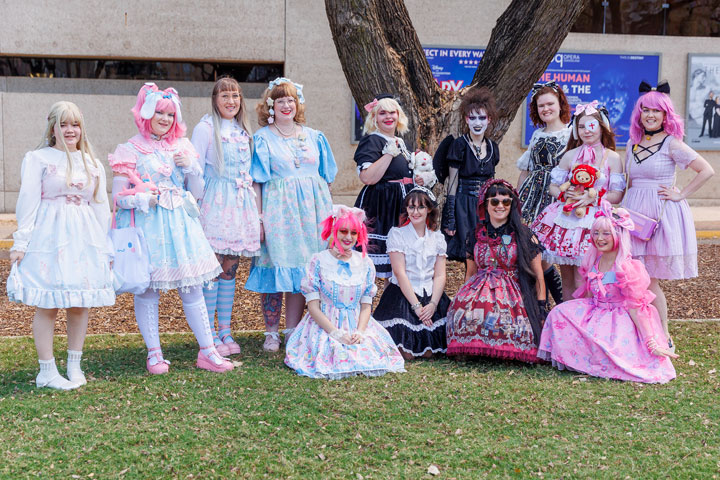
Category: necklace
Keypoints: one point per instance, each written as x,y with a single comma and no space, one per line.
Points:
286,135
650,133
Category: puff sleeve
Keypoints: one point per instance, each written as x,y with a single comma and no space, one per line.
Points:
634,281
440,244
523,163
681,153
456,153
394,241
327,168
260,166
310,284
370,287
123,160
28,202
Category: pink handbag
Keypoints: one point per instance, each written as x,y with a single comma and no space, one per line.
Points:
645,227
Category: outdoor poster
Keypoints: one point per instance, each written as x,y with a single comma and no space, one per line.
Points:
612,79
702,117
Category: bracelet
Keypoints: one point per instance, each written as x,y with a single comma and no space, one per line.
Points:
415,306
337,334
434,303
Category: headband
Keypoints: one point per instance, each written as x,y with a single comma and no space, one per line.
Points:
588,109
484,189
539,86
370,106
154,96
619,217
426,191
280,80
662,87
340,211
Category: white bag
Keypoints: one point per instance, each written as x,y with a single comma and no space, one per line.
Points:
131,267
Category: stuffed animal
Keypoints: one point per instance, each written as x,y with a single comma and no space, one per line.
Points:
144,185
582,178
421,164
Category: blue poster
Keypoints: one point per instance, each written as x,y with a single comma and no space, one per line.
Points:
612,79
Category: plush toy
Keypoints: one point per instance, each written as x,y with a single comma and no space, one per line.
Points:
582,178
144,185
421,164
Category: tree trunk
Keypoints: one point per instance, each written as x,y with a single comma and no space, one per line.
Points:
380,52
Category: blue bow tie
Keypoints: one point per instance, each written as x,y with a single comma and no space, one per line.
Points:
344,268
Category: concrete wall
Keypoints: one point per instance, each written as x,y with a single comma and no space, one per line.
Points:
295,32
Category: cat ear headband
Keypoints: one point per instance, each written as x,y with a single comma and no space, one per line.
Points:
340,211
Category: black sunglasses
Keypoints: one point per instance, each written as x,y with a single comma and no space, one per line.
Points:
505,201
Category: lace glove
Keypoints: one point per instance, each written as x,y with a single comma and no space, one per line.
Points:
448,217
392,148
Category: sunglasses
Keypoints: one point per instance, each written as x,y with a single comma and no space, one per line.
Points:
345,231
505,201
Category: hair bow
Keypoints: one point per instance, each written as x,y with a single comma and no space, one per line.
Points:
588,108
539,86
426,191
662,87
369,106
340,211
154,96
618,216
279,80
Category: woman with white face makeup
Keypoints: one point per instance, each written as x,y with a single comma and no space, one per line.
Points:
60,256
654,151
382,164
471,159
158,162
229,201
499,310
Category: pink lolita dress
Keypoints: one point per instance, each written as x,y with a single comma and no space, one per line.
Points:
671,253
566,237
597,336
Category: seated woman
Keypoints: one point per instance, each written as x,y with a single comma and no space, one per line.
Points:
611,330
337,337
413,306
499,311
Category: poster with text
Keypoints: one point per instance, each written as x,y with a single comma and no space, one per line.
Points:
702,116
610,78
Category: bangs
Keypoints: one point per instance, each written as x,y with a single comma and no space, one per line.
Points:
284,89
498,189
227,85
388,104
165,105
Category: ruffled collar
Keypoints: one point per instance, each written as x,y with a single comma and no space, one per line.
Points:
147,145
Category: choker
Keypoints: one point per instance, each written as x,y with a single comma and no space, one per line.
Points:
650,133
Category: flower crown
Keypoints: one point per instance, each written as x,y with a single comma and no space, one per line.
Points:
279,80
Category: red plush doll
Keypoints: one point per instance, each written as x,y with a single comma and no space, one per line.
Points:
582,178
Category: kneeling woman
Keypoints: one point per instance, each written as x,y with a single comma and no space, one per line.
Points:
413,306
337,337
499,311
614,332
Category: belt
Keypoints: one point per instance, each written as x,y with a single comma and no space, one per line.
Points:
404,181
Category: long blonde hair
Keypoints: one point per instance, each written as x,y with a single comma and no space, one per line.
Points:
227,84
69,112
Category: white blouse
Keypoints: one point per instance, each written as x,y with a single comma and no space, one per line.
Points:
420,255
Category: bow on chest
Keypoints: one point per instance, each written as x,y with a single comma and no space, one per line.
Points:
423,248
344,268
598,278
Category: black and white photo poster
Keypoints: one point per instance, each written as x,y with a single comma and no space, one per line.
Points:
702,117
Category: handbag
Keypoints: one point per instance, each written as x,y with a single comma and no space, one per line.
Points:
131,267
645,227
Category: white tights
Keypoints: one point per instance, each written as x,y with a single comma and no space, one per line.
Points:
146,314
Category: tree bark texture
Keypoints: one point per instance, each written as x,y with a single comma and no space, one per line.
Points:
380,53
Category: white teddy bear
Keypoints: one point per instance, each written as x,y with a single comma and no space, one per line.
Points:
421,164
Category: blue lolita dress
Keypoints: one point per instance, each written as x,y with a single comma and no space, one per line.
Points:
228,212
180,255
63,232
295,173
341,288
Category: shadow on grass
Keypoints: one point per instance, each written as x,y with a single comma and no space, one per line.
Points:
117,357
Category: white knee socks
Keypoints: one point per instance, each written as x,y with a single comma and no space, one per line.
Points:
146,315
196,315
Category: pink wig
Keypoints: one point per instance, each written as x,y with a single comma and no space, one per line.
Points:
673,123
616,223
168,102
344,217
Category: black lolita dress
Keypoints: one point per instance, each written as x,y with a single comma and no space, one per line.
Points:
382,202
394,312
473,171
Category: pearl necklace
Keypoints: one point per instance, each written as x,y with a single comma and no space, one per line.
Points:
286,135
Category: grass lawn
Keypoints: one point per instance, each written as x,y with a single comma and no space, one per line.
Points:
480,419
